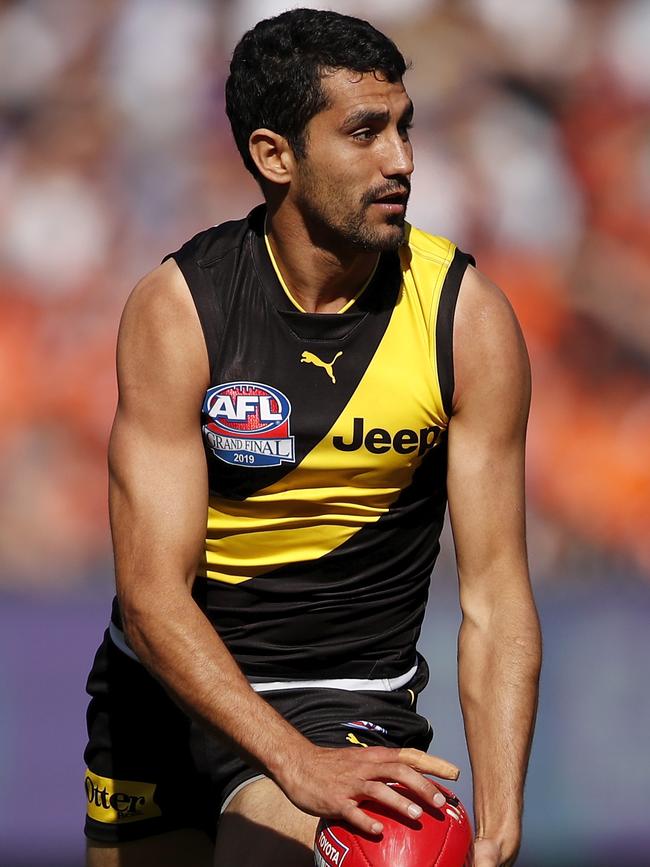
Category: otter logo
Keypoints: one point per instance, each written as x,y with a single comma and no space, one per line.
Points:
310,358
329,851
112,801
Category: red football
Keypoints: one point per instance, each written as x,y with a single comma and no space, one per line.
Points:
439,838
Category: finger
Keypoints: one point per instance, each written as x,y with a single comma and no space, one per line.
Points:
409,756
421,786
383,794
426,764
416,759
354,816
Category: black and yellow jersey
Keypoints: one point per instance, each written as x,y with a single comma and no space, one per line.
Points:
325,437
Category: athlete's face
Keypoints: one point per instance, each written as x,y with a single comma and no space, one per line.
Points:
355,178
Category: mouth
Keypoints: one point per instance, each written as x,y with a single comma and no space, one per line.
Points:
393,203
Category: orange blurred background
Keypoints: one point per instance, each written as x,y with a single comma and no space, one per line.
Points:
532,142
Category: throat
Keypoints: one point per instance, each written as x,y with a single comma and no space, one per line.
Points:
323,285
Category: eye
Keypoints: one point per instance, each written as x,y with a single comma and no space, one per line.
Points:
364,135
404,130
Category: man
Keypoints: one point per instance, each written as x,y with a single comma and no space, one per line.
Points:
315,377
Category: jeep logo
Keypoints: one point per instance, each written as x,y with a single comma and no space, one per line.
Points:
379,441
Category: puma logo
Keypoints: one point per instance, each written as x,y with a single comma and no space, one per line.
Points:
353,739
310,358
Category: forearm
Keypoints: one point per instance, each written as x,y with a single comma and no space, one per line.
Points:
176,642
499,664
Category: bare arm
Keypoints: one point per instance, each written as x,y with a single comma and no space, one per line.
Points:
499,641
158,505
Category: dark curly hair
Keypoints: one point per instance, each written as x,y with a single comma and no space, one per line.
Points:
276,70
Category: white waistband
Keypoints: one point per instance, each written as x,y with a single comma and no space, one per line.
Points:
354,684
118,639
238,789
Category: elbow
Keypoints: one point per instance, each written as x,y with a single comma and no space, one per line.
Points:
513,629
508,613
148,606
136,616
134,612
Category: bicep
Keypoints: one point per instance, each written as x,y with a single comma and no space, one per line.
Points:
487,447
158,501
158,486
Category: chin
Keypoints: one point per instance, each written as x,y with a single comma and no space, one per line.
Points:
388,237
376,237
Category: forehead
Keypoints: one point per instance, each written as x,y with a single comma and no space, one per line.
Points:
348,90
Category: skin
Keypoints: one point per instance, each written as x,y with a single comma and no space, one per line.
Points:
326,241
499,648
324,228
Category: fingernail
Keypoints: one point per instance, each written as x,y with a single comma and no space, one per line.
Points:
377,828
415,811
439,800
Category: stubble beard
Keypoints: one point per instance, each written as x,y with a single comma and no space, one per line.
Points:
327,211
358,232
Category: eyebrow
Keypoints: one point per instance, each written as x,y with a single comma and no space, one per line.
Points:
369,115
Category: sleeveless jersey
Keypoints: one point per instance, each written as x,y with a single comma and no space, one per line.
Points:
325,437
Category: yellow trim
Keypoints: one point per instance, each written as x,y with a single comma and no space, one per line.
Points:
287,291
279,275
347,306
425,275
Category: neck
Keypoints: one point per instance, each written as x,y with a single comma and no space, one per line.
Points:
321,275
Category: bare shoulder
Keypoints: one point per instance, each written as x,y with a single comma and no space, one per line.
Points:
160,340
160,306
490,355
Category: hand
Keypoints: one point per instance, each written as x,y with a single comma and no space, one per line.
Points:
488,852
332,782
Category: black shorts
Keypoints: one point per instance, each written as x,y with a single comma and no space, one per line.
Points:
151,769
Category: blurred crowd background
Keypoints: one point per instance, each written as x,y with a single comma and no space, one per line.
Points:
532,145
532,141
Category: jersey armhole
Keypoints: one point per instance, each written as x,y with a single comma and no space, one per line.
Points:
204,299
445,326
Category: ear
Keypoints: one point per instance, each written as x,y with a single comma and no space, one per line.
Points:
272,155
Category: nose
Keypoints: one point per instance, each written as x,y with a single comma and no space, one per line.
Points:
399,157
